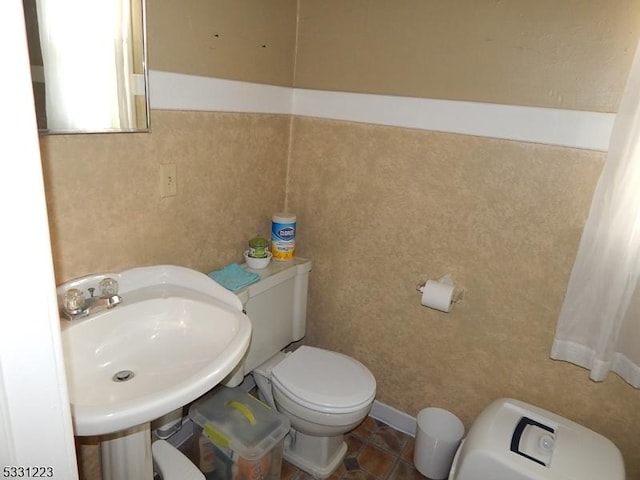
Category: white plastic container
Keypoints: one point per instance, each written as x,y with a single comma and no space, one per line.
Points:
514,439
247,436
283,236
438,435
257,263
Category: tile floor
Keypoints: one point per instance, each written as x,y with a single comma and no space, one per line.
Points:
375,452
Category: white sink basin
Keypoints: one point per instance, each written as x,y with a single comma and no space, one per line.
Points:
175,335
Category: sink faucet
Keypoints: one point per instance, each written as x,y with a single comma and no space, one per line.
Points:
102,303
77,306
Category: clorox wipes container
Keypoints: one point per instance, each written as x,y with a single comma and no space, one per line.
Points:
283,236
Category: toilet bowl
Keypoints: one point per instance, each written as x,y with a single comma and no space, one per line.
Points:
324,394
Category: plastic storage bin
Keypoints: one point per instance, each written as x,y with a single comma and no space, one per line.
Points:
237,437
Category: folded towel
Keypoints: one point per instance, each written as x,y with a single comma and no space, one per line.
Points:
233,277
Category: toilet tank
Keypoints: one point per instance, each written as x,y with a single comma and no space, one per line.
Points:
277,307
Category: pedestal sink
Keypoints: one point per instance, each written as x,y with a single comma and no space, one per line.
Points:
174,335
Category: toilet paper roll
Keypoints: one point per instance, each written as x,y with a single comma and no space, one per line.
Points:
437,295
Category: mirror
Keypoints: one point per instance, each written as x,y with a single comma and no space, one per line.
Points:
88,65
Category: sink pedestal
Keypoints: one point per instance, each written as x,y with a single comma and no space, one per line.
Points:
127,455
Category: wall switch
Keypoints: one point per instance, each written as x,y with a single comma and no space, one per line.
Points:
168,180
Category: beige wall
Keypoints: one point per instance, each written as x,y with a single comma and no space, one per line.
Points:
248,40
547,53
104,200
378,207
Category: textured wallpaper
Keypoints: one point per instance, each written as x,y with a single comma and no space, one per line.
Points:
381,208
103,192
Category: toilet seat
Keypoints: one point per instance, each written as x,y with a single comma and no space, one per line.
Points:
324,381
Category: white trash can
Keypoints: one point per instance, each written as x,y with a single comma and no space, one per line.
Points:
438,435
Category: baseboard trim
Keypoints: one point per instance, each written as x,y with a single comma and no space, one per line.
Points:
393,417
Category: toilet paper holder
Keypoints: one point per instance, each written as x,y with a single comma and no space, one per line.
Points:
456,296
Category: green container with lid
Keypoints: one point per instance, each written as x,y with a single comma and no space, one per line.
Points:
258,247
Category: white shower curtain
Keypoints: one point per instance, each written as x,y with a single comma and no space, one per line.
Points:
599,324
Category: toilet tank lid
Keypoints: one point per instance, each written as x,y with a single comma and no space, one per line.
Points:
276,273
325,381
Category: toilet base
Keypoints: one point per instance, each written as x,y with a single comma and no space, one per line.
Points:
318,456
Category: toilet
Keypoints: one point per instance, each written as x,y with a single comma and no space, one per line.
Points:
324,394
